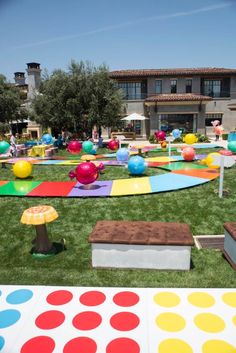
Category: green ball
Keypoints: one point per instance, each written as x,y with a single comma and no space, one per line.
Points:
4,146
232,146
87,146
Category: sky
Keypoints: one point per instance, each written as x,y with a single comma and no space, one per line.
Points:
123,34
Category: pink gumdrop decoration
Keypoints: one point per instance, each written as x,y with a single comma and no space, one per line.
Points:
160,135
113,145
74,147
86,173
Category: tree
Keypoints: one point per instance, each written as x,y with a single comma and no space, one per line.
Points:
106,100
78,99
10,101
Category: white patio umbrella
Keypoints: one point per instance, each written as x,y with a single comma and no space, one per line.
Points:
134,116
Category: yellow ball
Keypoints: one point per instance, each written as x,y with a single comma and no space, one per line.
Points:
209,160
22,169
190,139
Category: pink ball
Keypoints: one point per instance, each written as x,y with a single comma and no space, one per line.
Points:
188,154
160,135
86,173
226,152
74,147
113,145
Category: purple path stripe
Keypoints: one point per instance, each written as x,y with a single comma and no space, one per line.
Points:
113,163
98,188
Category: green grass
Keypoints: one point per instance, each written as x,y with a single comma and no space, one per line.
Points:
200,207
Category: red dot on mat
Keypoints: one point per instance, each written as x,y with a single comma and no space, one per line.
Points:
38,345
124,321
92,298
50,319
59,297
126,298
87,320
80,345
124,345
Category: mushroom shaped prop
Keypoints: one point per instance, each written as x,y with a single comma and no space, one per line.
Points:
39,216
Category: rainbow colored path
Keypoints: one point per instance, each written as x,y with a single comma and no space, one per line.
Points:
180,175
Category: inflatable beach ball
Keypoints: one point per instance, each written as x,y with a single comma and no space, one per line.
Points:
136,165
4,146
22,169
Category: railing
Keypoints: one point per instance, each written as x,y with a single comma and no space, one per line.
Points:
139,96
222,94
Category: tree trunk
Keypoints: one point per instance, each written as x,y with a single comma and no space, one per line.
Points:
42,244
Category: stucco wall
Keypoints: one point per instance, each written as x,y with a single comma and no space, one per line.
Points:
221,106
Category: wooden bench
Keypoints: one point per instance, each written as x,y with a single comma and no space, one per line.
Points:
126,134
51,151
140,244
230,243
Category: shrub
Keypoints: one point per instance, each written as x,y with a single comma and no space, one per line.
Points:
225,136
152,139
202,138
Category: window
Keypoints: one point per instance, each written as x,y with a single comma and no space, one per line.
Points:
212,88
158,89
133,90
211,117
188,86
184,122
173,86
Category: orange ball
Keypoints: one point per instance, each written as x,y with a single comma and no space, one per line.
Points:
188,154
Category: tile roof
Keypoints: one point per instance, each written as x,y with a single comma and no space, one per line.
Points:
172,72
178,98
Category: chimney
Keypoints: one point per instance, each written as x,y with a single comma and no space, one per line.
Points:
34,77
19,78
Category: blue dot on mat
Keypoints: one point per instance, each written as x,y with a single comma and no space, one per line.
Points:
9,317
2,341
19,296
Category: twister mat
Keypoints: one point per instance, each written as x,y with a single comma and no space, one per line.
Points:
40,319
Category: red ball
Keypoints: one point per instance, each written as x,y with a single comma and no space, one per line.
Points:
188,154
160,135
113,145
74,147
86,173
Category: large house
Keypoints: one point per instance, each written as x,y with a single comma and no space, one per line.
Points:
179,98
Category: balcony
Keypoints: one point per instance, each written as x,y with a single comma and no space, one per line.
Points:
139,96
222,94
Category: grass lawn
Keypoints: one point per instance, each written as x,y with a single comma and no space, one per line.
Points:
200,207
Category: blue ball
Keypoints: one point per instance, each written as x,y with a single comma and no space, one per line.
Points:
122,155
176,133
47,139
136,165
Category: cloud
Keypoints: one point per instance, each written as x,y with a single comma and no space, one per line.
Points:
211,8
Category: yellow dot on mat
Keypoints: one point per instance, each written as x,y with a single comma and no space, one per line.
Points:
170,322
218,346
166,299
201,300
234,320
173,345
209,322
229,299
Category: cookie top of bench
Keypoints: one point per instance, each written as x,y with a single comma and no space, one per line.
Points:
231,228
141,233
